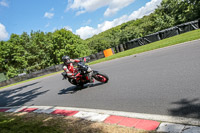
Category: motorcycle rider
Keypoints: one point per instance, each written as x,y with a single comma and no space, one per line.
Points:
71,72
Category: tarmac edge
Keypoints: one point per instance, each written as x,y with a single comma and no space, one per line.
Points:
148,122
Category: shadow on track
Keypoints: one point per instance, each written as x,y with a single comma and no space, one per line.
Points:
19,96
74,89
188,108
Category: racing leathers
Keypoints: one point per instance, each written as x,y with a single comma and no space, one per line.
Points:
72,72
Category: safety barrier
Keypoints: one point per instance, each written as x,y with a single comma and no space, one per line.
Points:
173,31
176,30
31,75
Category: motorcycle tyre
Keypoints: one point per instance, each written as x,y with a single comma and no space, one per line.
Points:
103,75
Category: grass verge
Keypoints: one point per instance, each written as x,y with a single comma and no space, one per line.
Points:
189,36
46,123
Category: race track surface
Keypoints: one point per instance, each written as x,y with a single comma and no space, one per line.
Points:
164,81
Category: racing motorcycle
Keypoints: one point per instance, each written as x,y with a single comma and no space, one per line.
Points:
81,77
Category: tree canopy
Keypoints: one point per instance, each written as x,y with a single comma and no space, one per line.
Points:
28,53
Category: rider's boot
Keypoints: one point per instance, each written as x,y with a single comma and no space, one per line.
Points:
91,79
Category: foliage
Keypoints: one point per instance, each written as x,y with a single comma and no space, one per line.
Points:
168,14
28,53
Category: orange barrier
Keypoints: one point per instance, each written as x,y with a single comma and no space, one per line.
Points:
108,52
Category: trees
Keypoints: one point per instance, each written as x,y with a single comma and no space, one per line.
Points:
66,43
28,53
178,11
168,14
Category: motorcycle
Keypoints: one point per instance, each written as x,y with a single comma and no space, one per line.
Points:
82,75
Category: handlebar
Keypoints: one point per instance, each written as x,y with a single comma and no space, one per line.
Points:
84,59
82,66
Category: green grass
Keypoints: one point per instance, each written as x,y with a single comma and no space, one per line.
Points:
189,36
19,124
47,123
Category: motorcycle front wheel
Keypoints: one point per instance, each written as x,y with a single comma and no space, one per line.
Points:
101,77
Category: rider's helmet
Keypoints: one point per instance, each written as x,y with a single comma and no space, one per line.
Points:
66,59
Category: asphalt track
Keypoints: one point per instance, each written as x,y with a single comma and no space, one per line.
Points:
164,82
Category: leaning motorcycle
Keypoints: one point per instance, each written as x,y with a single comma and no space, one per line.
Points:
82,73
